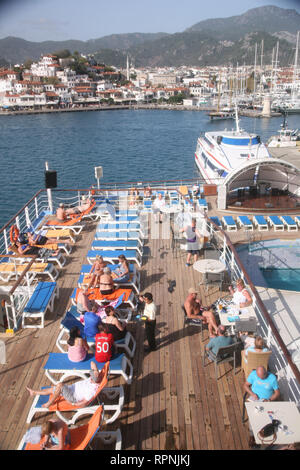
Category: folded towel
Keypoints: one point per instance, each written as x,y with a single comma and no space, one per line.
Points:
233,319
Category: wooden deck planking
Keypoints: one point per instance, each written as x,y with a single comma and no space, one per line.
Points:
173,402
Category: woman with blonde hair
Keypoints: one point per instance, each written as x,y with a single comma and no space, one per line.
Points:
240,296
259,347
96,271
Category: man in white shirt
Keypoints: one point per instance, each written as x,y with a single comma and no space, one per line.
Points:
157,206
150,314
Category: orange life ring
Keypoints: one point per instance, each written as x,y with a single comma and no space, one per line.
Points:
93,192
14,233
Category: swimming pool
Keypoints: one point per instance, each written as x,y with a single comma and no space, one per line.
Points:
273,263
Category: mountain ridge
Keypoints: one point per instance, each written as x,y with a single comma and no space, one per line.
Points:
208,42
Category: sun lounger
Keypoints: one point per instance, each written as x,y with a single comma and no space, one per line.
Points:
112,255
244,221
72,224
42,298
121,227
289,222
11,270
117,245
133,281
59,363
202,203
216,220
61,406
261,223
82,436
59,233
119,236
229,223
94,294
297,220
276,223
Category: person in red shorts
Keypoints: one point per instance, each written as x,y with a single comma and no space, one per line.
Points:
104,344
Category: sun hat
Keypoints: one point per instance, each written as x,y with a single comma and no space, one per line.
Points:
192,290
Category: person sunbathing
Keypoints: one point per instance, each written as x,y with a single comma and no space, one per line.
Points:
26,249
96,271
56,434
85,205
37,239
79,393
121,273
106,282
61,214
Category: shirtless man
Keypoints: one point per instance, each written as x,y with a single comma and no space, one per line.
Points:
107,286
61,213
85,204
193,309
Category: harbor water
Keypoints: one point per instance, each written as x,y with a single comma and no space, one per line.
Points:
130,145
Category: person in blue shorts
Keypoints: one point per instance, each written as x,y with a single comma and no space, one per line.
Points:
262,385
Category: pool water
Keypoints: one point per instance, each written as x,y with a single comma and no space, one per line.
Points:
273,263
286,279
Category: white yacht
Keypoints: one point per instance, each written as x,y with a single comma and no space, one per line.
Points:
285,138
218,153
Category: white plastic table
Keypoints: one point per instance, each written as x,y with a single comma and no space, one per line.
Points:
285,411
209,266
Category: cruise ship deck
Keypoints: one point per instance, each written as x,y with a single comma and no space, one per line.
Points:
172,402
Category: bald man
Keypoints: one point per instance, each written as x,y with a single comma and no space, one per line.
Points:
262,385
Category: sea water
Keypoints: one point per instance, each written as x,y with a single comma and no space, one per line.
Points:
130,145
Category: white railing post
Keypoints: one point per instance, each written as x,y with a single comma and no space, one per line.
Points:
36,207
28,223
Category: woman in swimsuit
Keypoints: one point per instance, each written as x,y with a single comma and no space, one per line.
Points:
106,282
121,274
96,271
115,327
26,249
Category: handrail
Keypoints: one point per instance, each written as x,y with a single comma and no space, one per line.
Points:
18,281
19,212
260,303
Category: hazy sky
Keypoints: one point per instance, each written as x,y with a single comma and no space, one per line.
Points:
41,20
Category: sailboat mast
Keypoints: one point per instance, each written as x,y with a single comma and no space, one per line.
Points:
296,61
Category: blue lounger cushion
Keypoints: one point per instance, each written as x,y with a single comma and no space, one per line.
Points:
118,235
40,298
114,254
245,220
60,361
275,220
115,243
216,220
288,220
229,220
260,220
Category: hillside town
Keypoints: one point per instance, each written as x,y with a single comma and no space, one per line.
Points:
54,83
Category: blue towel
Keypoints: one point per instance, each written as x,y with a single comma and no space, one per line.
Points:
233,319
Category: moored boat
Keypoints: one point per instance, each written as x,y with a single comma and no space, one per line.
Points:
220,153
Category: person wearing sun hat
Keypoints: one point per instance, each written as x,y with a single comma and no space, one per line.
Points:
194,309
